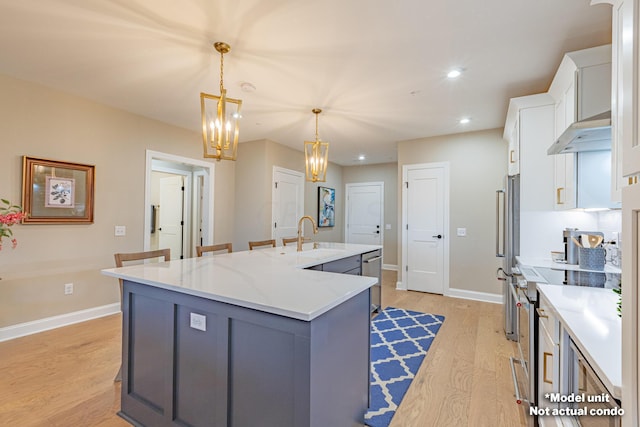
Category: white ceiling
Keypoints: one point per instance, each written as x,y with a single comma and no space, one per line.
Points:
376,68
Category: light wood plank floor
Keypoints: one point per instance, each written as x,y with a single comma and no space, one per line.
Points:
65,377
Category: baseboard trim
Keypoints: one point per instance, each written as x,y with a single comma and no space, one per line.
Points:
41,325
400,286
390,267
474,295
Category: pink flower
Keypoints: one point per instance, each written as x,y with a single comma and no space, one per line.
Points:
9,215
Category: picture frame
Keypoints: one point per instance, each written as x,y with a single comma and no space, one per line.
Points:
56,192
326,207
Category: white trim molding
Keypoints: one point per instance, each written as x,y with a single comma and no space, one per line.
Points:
391,267
41,325
474,295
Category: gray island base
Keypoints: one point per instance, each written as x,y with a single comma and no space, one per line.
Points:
193,357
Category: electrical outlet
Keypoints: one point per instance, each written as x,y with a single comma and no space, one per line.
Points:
68,288
462,232
120,230
198,321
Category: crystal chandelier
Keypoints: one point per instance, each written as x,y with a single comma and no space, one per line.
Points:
315,156
220,116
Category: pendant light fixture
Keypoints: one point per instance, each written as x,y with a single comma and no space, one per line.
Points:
220,116
316,156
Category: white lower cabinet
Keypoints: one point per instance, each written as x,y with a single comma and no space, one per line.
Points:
548,361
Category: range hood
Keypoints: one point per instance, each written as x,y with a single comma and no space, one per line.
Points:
591,134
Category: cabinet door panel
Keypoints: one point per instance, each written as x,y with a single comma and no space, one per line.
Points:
198,386
570,109
514,150
565,187
630,300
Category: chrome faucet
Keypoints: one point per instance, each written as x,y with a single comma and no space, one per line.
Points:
315,230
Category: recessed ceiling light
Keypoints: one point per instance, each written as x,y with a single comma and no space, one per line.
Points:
361,157
464,120
454,73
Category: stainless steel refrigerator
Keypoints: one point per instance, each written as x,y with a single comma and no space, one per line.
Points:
507,248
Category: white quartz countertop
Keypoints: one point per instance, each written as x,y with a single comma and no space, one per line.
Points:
548,263
272,280
589,315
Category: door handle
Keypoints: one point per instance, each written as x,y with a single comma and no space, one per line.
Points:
499,252
438,236
378,232
544,367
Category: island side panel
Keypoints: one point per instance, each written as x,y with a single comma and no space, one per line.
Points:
340,364
146,358
268,371
199,370
246,367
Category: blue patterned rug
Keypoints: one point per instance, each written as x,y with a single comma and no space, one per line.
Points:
399,341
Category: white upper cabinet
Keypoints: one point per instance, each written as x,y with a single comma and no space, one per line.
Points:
623,110
625,168
529,130
581,89
564,176
513,162
583,83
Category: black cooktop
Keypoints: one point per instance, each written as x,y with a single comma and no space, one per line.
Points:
579,278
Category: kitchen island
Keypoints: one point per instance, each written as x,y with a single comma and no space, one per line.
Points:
246,339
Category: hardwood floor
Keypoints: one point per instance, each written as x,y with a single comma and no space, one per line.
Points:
64,377
465,379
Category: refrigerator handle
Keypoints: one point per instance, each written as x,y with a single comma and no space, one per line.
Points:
499,252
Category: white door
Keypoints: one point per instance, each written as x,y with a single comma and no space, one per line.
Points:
288,203
170,217
425,223
364,213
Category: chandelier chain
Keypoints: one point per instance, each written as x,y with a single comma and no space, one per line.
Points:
221,71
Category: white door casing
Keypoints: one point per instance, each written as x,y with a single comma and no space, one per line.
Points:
425,225
171,215
181,165
630,304
288,203
364,213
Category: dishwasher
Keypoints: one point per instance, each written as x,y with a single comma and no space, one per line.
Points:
371,266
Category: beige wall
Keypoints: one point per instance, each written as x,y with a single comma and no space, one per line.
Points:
387,173
253,195
41,122
254,175
477,170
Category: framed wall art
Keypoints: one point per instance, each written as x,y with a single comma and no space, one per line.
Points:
326,207
57,192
